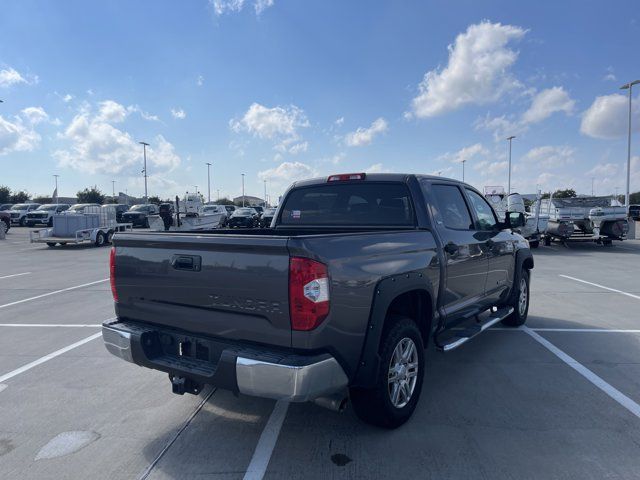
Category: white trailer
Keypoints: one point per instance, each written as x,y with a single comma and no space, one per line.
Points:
95,225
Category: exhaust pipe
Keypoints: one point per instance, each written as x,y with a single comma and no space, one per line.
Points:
336,402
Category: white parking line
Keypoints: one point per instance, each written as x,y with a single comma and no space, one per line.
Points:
637,297
267,442
59,325
14,275
610,390
53,293
585,330
46,358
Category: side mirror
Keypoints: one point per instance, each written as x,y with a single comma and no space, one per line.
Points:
515,220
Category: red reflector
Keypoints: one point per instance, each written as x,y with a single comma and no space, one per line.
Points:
308,293
112,273
343,177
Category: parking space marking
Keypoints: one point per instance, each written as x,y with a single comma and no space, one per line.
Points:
15,275
53,293
585,330
151,466
46,358
46,325
637,297
610,390
267,442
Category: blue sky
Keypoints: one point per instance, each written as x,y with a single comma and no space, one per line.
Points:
287,89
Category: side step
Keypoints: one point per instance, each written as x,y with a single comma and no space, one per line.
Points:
463,336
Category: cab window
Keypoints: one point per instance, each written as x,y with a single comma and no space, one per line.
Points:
449,208
486,219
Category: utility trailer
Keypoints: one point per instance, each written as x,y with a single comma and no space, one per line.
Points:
97,225
584,219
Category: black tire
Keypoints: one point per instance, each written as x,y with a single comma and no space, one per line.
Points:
519,315
547,241
534,243
50,222
100,239
375,405
109,236
22,222
51,244
7,224
146,223
607,242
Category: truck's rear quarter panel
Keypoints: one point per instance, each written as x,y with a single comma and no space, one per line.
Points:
240,292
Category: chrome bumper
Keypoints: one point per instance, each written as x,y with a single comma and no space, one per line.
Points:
254,377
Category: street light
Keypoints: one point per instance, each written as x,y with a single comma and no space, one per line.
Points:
56,190
144,150
265,193
242,189
509,183
463,162
113,189
629,86
208,182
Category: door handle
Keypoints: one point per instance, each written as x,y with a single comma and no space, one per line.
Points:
451,248
186,262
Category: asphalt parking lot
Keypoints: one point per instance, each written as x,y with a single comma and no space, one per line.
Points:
558,399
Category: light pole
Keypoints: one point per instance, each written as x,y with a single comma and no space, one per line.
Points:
463,162
242,189
56,190
629,86
509,182
592,190
196,187
113,189
218,195
208,182
265,193
144,151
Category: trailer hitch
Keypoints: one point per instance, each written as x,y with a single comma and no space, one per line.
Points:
182,385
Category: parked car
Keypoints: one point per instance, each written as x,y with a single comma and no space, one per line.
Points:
634,212
138,215
230,209
5,206
19,212
43,215
121,208
210,209
243,217
267,216
258,209
79,208
339,300
5,217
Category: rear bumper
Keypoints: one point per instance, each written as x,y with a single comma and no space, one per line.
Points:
245,369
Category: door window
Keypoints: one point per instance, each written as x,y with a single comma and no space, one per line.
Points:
484,212
450,209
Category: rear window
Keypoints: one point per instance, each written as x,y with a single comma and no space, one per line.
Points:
349,204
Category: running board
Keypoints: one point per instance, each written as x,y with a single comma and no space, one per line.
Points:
463,336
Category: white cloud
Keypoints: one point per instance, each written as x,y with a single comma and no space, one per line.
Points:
17,137
35,115
608,117
339,121
278,124
200,80
547,102
67,98
221,7
298,148
550,156
364,136
543,105
10,76
97,146
377,168
466,153
603,170
610,76
286,173
143,114
477,72
178,113
112,112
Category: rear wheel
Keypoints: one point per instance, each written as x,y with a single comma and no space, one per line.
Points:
51,244
7,225
519,302
391,402
100,239
22,222
50,222
534,243
547,241
109,236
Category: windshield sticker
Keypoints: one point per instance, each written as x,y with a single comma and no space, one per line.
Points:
295,214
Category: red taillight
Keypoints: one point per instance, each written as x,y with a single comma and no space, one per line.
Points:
308,293
112,273
343,177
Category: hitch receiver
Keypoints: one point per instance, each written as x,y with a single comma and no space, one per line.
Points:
182,385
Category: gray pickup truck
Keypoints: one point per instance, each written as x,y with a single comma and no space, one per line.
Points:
336,301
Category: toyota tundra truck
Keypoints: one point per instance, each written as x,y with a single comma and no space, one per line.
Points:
336,302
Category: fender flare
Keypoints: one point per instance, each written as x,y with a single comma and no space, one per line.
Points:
385,292
524,260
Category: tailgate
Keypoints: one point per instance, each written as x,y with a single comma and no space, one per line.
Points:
235,287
